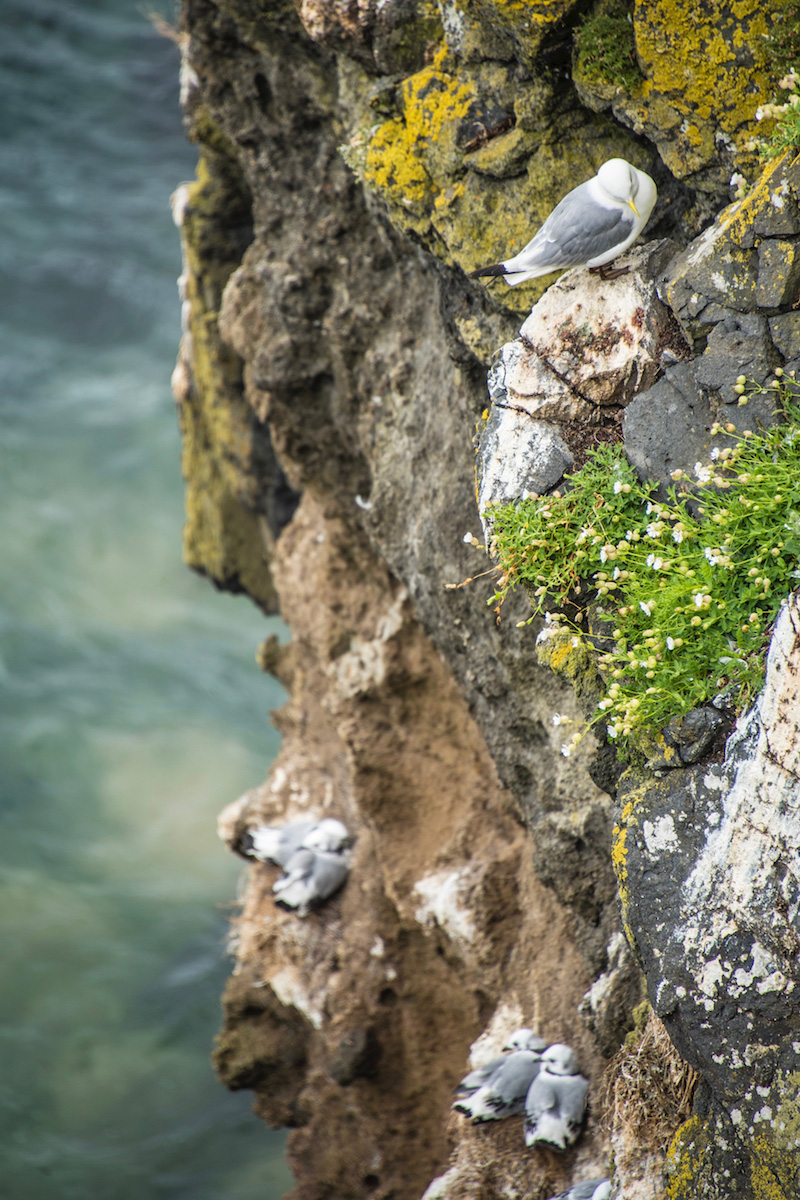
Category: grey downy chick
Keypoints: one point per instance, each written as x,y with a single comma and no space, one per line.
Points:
555,1107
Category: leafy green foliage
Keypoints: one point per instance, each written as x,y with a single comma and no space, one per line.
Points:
605,49
687,590
786,134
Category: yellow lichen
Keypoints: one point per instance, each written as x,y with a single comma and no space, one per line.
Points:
712,66
773,1172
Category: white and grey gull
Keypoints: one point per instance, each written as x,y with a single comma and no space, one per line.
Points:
503,1094
309,878
521,1039
593,224
277,843
555,1107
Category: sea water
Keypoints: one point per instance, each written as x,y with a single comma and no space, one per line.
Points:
131,709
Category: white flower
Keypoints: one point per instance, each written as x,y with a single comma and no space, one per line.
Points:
576,641
646,606
467,539
655,562
713,556
559,720
566,749
649,507
713,453
616,573
677,535
670,643
737,180
702,474
698,599
612,731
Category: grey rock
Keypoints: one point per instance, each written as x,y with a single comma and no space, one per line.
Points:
785,332
778,273
780,216
667,427
739,344
693,734
712,900
607,1007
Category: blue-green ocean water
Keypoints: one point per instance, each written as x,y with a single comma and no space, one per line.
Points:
131,709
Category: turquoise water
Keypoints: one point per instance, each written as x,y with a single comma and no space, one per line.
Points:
131,709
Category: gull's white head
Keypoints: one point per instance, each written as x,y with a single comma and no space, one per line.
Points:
628,185
526,1039
560,1060
329,835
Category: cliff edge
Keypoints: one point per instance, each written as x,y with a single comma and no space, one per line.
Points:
356,161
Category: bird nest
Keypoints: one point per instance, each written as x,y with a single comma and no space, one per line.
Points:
647,1090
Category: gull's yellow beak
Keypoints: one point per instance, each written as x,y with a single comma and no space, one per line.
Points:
633,206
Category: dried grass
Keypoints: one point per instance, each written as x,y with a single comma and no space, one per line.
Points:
646,1091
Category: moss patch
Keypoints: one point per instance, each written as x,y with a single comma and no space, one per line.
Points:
224,533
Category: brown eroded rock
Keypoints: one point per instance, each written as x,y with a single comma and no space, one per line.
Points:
353,1025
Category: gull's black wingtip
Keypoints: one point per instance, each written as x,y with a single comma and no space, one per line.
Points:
495,270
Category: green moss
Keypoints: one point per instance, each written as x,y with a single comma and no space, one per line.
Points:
604,48
224,534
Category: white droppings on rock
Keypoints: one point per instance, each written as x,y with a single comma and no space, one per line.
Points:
293,993
439,1187
507,1018
443,905
719,281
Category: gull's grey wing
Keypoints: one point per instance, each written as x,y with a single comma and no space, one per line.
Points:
310,877
571,1092
330,872
277,844
480,1076
577,230
510,1084
541,1097
299,869
504,1095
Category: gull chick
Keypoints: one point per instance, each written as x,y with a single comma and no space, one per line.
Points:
522,1039
591,226
503,1095
555,1106
310,877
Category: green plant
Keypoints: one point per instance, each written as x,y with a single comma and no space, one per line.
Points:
786,134
686,590
605,49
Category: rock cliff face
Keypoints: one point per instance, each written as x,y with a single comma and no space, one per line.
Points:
355,160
